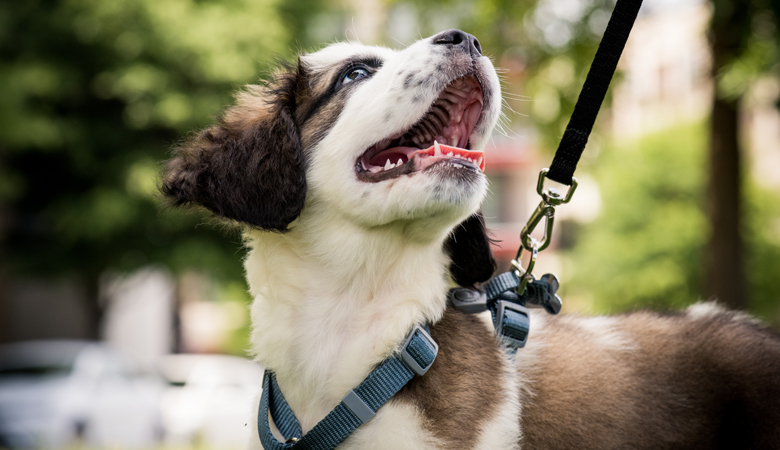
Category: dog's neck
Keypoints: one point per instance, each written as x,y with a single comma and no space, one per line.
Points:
332,301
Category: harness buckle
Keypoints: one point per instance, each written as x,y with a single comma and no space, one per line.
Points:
512,323
409,359
470,301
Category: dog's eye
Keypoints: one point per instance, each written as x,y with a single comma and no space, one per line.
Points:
354,74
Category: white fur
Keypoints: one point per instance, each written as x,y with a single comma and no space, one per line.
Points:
526,360
704,310
604,332
503,430
398,427
708,310
363,263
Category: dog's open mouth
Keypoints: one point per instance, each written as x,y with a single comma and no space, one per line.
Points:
441,135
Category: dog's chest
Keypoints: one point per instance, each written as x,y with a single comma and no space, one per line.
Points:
467,400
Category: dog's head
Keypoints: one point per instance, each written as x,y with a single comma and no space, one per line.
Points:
378,137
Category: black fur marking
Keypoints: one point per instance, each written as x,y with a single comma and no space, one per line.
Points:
371,63
250,166
468,247
408,81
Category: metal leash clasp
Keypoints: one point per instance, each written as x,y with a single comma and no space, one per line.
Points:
525,275
546,209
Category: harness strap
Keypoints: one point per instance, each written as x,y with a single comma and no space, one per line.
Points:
507,281
593,91
357,407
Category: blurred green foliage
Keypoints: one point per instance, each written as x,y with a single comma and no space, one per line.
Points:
762,259
92,96
647,246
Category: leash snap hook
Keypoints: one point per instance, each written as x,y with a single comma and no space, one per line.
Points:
546,209
525,275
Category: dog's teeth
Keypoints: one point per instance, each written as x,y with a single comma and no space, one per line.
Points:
449,154
454,141
389,165
436,149
458,117
400,162
479,162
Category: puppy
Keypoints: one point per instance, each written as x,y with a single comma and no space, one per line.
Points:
358,221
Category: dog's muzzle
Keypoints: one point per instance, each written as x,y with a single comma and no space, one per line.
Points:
441,135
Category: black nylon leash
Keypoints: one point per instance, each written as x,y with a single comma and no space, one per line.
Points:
593,91
509,294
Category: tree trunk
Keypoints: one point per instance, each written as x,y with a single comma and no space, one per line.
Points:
725,278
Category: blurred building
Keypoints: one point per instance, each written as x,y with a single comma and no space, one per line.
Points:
666,80
140,314
665,68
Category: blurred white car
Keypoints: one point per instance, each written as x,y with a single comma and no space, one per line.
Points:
210,399
60,393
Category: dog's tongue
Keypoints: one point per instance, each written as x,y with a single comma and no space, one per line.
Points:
447,151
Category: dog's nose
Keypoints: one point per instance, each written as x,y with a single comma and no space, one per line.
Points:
458,38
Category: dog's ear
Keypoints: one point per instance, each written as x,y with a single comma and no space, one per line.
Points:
249,167
469,249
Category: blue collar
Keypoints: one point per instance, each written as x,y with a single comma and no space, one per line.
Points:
356,408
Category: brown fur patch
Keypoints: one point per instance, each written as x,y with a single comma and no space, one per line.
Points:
709,383
319,124
464,388
250,166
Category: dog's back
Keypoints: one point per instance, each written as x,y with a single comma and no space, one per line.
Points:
704,379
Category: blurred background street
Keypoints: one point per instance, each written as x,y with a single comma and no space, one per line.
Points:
124,324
